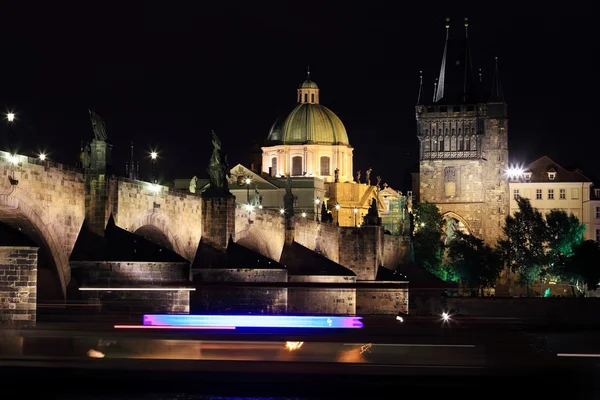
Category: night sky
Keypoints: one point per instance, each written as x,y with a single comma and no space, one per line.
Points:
164,75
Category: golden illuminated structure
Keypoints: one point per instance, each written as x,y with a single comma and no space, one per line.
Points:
310,141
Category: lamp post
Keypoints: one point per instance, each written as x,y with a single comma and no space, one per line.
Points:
337,209
355,215
248,181
317,202
10,117
42,157
153,157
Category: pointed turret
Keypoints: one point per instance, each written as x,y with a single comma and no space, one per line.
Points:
496,96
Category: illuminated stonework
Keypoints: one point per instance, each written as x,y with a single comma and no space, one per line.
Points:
310,141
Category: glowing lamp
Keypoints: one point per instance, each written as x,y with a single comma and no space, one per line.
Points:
514,172
42,157
317,201
282,211
10,116
260,206
303,214
337,207
249,207
248,181
153,155
355,210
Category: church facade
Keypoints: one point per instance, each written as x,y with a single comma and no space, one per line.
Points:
463,139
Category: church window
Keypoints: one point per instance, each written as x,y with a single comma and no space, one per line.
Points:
562,194
516,194
538,194
325,165
306,97
297,166
312,97
550,194
446,131
274,165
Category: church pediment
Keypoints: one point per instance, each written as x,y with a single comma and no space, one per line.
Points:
239,174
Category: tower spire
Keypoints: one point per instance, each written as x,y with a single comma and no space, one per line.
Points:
420,87
497,96
468,71
439,91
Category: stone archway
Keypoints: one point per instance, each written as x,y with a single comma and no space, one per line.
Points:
34,223
461,223
154,226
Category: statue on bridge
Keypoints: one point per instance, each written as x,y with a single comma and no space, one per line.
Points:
218,168
368,174
98,126
256,200
193,184
288,199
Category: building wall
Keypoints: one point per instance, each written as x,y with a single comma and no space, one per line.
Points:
593,228
139,302
340,156
386,300
18,283
396,251
177,214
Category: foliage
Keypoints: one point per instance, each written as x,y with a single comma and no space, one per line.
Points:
474,261
427,239
564,233
523,247
583,265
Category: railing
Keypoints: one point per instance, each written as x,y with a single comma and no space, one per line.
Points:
435,155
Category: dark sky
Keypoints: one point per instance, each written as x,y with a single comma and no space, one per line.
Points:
164,74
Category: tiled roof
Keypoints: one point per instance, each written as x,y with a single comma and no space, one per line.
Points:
539,172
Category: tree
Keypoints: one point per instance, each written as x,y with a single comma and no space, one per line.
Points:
473,261
564,234
427,238
524,245
583,265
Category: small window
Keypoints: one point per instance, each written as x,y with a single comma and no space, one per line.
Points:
598,235
550,194
274,165
597,212
538,194
297,166
325,166
597,192
312,98
562,194
306,97
551,175
516,194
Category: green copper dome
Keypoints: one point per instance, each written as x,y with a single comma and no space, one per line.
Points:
308,84
309,123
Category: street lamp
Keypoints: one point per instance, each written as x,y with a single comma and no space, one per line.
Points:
42,157
282,211
303,214
10,116
337,209
153,157
317,202
248,181
355,215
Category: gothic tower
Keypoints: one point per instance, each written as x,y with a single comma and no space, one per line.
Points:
463,139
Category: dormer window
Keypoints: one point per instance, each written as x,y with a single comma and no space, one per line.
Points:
551,175
527,176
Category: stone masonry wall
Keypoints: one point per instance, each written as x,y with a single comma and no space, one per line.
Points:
319,237
218,220
240,275
176,214
237,299
100,273
386,300
325,300
361,250
139,302
18,280
396,251
47,204
262,231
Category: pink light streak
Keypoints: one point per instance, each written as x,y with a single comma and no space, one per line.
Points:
173,327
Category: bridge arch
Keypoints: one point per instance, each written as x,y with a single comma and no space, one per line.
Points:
461,220
154,226
20,212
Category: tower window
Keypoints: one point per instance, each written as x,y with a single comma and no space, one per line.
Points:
325,165
312,98
297,166
306,97
562,194
550,194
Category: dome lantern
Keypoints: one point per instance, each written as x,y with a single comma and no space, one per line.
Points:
308,93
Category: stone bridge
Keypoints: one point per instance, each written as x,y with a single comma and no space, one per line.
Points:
48,202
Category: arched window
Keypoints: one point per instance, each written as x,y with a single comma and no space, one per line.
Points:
448,144
460,143
467,144
306,97
473,143
325,165
312,98
274,165
441,144
297,166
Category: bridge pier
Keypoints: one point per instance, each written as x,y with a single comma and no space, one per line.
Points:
18,284
97,200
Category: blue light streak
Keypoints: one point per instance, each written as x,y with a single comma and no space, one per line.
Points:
253,321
